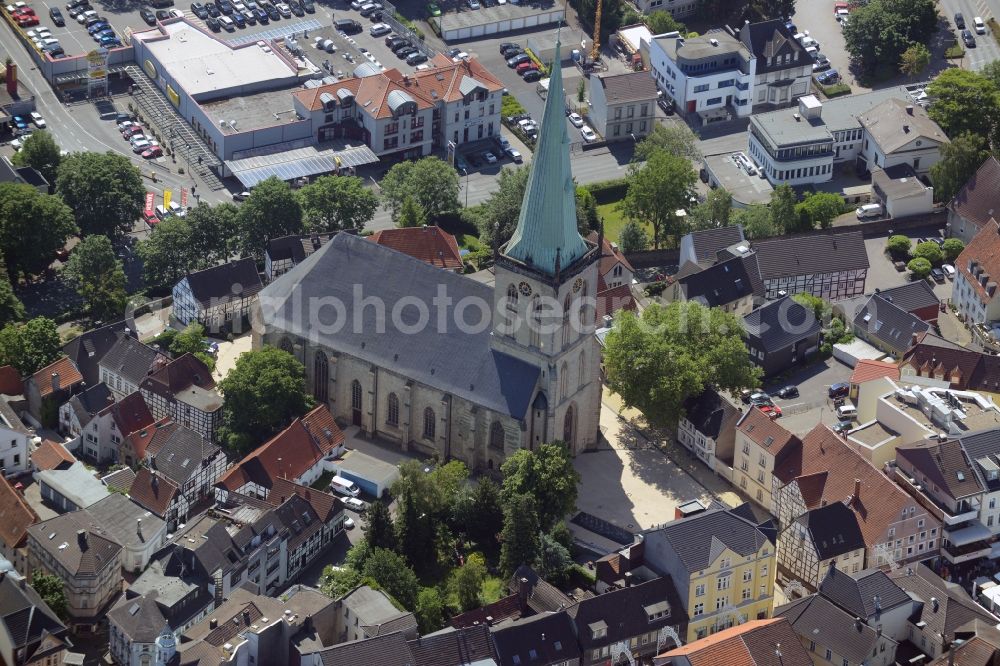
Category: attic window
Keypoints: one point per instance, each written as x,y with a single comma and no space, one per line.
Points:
769,441
961,475
532,654
557,645
516,659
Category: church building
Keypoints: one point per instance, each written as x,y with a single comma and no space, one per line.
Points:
443,364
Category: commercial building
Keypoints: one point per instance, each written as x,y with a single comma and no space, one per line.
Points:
623,106
747,644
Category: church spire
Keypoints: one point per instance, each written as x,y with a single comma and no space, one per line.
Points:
546,234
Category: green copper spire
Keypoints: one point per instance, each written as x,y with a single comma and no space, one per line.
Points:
546,237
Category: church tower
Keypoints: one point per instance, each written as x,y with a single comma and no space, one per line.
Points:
546,285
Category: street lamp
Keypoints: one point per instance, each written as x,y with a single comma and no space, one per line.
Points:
466,172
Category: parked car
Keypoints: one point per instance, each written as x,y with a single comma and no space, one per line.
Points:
968,39
18,143
392,41
241,196
153,152
473,4
98,27
249,17
141,146
27,20
198,9
213,24
949,271
213,10
842,426
284,10
980,27
959,21
773,411
406,52
490,157
354,504
821,63
148,16
938,275
416,58
57,17
525,66
20,122
88,15
379,29
433,9
532,75
828,78
513,154
308,6
839,390
588,134
517,60
37,119
575,119
789,392
262,16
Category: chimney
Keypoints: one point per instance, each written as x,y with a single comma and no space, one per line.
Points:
213,623
857,489
628,579
55,382
934,604
522,593
906,129
913,339
246,618
81,538
909,109
12,80
308,623
138,527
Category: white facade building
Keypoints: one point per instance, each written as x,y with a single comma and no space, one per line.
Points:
14,445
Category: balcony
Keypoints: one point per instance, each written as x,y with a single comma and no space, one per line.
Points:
959,518
960,554
969,542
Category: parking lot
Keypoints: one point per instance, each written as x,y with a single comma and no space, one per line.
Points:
825,29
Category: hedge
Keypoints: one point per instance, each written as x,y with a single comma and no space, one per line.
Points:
836,90
608,191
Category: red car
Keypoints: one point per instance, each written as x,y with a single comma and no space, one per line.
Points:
26,21
773,411
525,67
150,153
150,218
23,11
131,131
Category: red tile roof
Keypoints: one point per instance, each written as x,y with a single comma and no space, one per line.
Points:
985,250
178,375
142,438
153,493
65,368
611,254
506,608
16,516
832,469
10,381
768,434
749,644
324,504
977,200
610,301
868,369
429,244
50,455
130,413
289,454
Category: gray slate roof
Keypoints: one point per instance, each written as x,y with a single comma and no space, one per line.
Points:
87,349
698,541
707,243
220,283
911,296
180,457
628,87
140,618
857,593
834,530
130,358
979,445
709,412
883,321
811,255
86,405
626,611
388,650
718,285
453,361
817,619
459,647
781,323
119,517
954,606
550,637
23,613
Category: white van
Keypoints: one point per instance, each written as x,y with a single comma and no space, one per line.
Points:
869,211
847,412
344,486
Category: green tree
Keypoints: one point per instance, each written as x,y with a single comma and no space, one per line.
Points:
520,534
498,214
675,139
271,211
30,346
391,573
952,247
104,190
52,591
429,610
773,9
991,70
715,211
587,219
415,533
479,512
467,582
756,221
333,203
783,215
659,360
960,159
11,308
898,246
379,532
919,267
41,153
264,392
33,227
192,341
965,102
167,254
657,190
819,209
98,277
914,60
821,309
554,561
336,582
581,92
660,22
880,32
212,232
632,237
930,251
547,476
431,182
410,214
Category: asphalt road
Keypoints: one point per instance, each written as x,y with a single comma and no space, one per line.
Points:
986,49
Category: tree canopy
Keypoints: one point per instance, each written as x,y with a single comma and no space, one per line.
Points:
657,189
919,267
98,277
192,341
498,214
206,236
675,139
547,477
334,203
880,32
633,237
431,182
30,346
965,102
960,159
819,209
671,353
393,575
41,153
783,215
104,190
264,392
271,211
11,308
33,227
520,534
756,221
914,60
52,591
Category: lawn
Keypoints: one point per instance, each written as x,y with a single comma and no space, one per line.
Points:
469,242
614,220
323,482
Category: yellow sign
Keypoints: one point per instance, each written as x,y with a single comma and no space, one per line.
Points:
150,69
166,198
172,95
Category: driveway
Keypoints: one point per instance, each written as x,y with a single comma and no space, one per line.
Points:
228,353
826,30
813,406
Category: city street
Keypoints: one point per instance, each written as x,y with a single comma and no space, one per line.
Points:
986,49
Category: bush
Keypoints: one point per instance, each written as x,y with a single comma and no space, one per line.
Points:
919,267
930,251
457,223
656,288
836,90
898,246
952,248
955,51
608,191
511,106
409,24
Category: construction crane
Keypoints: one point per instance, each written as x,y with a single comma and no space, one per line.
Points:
595,51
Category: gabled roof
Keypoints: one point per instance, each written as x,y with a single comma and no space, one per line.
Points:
610,301
87,349
781,323
543,597
9,418
80,554
178,452
129,414
816,618
864,594
429,244
770,39
25,617
87,404
768,434
64,368
10,381
895,123
982,448
977,200
220,284
787,256
953,607
154,492
179,374
51,455
16,515
719,284
894,327
708,242
119,518
297,248
139,618
833,530
389,650
698,541
626,612
749,644
131,359
462,647
628,87
611,254
324,504
984,249
120,480
504,608
977,371
289,454
540,640
710,413
912,296
946,465
485,377
868,369
833,468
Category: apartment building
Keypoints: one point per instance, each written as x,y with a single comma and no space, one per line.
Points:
708,429
18,516
750,643
761,443
833,267
824,537
974,291
126,364
623,106
31,634
14,441
783,69
975,204
184,390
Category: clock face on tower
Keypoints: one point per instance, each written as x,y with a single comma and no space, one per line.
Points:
577,285
524,288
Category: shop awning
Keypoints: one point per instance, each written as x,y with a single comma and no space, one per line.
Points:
299,163
974,532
